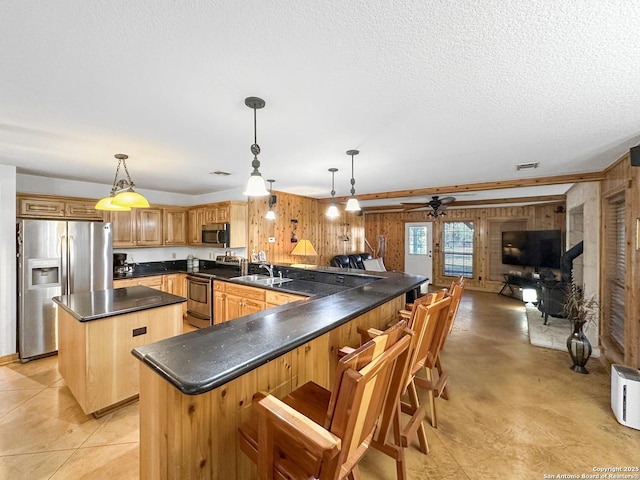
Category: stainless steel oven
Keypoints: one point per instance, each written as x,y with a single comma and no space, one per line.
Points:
200,300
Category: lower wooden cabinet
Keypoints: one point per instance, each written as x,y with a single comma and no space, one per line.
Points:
155,281
231,300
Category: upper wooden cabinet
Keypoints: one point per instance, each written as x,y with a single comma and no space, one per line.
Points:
174,225
140,227
196,220
45,206
233,213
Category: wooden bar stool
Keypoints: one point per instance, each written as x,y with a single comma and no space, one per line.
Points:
317,434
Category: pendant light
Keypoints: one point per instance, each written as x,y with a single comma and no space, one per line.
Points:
122,196
332,211
255,185
352,204
271,215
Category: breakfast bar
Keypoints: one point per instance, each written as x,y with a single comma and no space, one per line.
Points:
196,388
97,331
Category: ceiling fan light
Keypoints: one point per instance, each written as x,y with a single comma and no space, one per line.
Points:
130,199
106,203
353,205
332,211
256,186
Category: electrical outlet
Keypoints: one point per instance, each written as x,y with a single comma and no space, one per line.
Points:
173,255
210,255
272,239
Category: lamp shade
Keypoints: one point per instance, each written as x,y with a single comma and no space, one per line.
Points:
130,199
332,211
304,247
256,187
106,203
352,205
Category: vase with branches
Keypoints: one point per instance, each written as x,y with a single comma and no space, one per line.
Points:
581,311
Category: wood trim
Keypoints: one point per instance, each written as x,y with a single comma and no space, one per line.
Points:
548,199
13,357
481,186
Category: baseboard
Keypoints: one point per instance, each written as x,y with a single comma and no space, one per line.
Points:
14,357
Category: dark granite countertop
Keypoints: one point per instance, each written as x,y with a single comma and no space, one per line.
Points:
89,306
199,361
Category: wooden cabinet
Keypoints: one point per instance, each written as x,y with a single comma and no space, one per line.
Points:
45,206
176,284
140,227
231,300
233,213
155,281
273,298
219,302
240,300
95,358
196,220
174,226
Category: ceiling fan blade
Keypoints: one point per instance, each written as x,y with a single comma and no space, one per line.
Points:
445,200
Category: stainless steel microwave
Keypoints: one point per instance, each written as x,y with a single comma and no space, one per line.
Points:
216,235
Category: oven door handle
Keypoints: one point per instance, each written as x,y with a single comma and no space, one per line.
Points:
198,315
199,280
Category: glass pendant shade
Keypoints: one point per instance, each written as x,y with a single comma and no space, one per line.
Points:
353,205
271,215
130,199
256,187
106,203
122,197
332,211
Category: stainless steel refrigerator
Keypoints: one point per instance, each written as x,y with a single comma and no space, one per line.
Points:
56,258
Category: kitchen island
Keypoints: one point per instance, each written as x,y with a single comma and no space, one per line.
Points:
196,388
97,331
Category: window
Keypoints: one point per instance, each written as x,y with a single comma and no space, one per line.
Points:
458,249
418,240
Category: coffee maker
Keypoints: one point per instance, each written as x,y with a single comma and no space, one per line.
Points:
119,264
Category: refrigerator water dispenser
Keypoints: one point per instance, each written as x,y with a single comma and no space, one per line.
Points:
44,272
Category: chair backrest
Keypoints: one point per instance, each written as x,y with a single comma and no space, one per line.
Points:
455,292
368,380
355,261
429,321
341,261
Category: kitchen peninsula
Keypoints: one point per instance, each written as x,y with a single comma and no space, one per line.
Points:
196,388
97,331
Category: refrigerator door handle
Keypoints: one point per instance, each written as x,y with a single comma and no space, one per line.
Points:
64,280
72,263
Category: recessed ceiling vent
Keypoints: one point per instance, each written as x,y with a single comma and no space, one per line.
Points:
219,172
527,166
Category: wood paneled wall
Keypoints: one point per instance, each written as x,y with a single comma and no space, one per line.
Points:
344,234
622,178
486,220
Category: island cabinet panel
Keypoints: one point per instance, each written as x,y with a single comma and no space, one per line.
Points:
95,358
186,437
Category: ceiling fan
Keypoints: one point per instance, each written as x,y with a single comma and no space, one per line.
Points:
438,205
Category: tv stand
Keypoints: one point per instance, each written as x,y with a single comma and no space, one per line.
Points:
518,281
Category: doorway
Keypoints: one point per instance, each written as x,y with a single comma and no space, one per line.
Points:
418,252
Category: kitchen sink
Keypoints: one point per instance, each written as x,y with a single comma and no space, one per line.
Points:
262,279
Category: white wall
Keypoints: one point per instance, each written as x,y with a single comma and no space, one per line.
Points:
8,318
73,188
587,197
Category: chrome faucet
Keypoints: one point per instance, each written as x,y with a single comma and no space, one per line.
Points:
269,268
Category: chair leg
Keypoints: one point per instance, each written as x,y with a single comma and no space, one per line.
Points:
401,468
415,424
432,398
445,391
355,474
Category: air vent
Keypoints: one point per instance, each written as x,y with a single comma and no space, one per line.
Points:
219,172
527,166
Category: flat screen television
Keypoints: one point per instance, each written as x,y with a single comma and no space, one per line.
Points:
532,248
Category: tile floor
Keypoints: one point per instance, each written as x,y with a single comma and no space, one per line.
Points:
516,411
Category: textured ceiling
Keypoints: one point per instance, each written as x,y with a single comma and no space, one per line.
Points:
432,93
